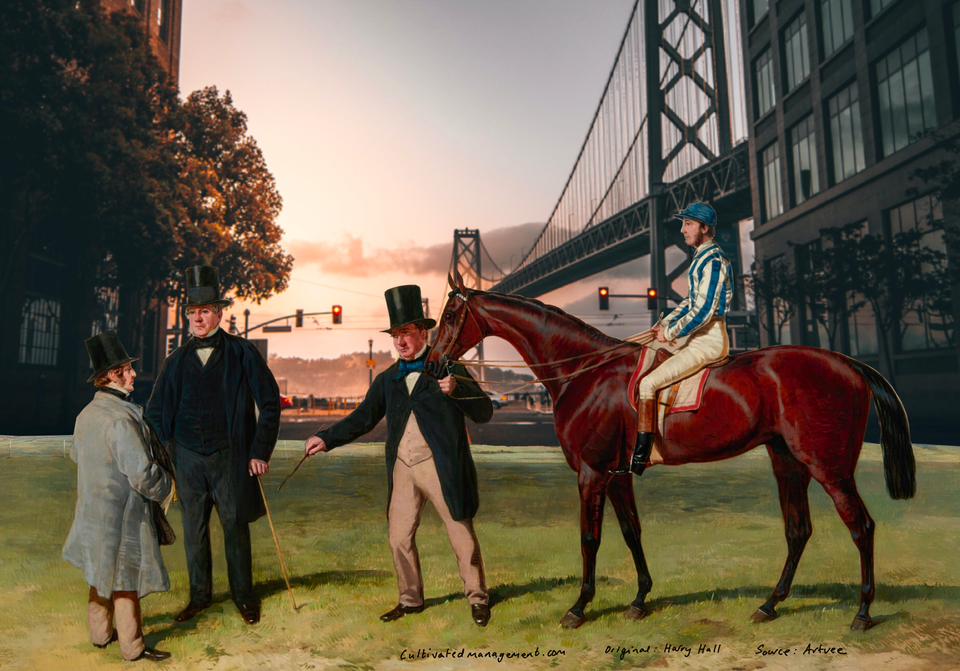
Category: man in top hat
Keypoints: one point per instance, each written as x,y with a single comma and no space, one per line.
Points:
701,316
427,451
216,406
113,537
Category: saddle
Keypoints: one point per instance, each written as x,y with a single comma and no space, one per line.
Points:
682,396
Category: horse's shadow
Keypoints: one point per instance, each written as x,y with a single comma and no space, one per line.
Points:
830,596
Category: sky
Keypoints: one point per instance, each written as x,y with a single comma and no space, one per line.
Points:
387,125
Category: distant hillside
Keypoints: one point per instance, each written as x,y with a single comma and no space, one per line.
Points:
348,375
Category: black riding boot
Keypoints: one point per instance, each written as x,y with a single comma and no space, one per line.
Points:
641,452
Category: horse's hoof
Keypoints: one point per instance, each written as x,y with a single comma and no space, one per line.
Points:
571,620
760,616
635,613
860,624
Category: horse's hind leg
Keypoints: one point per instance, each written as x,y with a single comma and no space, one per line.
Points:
793,480
592,497
854,514
620,491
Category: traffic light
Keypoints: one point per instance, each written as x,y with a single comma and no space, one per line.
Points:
652,299
233,324
337,314
604,298
299,318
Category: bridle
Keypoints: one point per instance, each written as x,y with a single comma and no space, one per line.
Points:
445,359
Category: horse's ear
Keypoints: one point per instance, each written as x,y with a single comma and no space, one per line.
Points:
460,285
450,282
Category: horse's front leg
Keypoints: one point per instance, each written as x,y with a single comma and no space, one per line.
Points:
592,496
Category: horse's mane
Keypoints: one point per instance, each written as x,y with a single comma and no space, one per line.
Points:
592,331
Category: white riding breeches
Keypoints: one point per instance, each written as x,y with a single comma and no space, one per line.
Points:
705,346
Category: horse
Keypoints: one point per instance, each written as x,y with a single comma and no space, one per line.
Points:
808,406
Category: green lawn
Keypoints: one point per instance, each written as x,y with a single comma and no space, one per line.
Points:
713,537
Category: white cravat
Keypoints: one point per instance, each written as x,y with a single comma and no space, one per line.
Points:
412,378
203,353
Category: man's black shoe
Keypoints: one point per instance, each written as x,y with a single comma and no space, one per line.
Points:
250,612
113,639
400,611
191,611
481,613
152,655
641,452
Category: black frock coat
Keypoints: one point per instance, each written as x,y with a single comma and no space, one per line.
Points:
248,386
440,418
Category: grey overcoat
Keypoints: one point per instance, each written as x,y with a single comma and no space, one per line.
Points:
113,538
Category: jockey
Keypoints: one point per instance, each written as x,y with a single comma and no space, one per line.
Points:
700,316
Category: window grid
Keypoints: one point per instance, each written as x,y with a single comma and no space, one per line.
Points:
877,6
806,180
766,93
40,332
797,54
905,93
760,9
845,134
933,325
773,197
837,19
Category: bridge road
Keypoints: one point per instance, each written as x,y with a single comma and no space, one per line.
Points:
512,425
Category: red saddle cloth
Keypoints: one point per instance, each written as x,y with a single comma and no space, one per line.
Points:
682,396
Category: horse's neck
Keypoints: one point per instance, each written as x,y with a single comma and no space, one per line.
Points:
542,336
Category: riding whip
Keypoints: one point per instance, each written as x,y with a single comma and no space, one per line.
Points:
322,426
283,566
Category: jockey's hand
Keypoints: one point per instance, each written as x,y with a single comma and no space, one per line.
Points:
658,331
448,384
313,445
257,467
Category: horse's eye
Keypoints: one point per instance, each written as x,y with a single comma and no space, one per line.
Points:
448,316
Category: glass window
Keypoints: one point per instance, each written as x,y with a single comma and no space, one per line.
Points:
759,8
40,332
766,94
877,6
814,315
797,57
929,320
837,19
806,180
905,94
846,138
773,197
163,20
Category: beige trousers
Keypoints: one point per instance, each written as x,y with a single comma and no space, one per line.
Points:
705,346
413,486
124,607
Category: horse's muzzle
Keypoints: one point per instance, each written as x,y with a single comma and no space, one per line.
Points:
438,368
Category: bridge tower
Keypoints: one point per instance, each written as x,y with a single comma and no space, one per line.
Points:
467,251
687,101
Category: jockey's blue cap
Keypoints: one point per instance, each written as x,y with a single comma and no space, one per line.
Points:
699,212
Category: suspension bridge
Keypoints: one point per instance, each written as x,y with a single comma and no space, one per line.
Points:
670,129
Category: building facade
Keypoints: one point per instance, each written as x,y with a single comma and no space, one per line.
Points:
43,362
846,99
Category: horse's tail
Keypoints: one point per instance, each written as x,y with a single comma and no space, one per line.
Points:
899,467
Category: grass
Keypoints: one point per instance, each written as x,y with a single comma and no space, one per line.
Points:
712,533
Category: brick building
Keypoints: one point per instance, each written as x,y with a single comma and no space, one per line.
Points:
845,98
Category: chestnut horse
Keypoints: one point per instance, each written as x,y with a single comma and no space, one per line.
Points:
808,406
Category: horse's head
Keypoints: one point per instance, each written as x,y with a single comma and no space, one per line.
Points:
458,329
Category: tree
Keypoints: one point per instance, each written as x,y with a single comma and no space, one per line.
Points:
777,295
228,199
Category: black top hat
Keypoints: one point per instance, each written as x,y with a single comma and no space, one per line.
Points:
406,307
203,287
106,353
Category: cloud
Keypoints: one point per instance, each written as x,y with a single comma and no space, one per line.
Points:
352,256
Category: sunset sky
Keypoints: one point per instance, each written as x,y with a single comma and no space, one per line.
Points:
389,124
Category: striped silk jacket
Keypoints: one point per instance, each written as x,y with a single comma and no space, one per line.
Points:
710,292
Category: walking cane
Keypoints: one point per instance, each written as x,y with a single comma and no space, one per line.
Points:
283,567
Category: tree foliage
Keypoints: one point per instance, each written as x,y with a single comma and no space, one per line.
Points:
104,166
